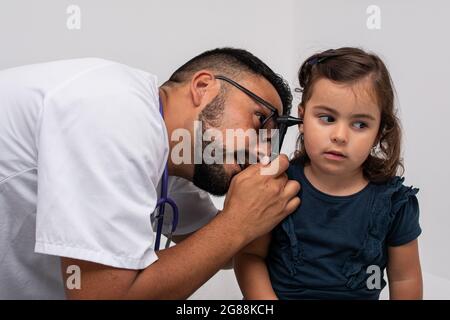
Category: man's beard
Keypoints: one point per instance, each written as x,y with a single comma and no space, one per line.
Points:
212,177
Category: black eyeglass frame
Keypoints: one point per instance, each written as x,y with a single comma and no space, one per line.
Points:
283,121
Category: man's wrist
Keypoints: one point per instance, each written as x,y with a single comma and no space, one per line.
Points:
234,232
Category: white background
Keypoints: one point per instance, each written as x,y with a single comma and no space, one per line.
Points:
158,36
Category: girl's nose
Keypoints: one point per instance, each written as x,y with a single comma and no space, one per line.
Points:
339,135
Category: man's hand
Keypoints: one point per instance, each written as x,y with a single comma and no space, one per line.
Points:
256,202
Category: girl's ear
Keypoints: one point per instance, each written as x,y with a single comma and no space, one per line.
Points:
301,115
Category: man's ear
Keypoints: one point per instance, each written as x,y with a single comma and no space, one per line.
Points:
203,86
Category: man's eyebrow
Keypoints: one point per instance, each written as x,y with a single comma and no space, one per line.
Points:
354,116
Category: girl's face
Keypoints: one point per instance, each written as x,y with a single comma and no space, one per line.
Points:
340,125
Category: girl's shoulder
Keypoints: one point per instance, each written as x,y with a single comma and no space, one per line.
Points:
389,196
394,193
394,221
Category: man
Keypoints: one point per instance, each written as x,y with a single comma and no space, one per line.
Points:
83,149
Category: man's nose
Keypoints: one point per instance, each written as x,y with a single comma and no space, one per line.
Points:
340,134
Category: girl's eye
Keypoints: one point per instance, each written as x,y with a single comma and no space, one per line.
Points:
360,125
327,119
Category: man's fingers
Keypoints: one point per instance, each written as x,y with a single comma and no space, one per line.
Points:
291,189
282,180
284,163
278,166
292,205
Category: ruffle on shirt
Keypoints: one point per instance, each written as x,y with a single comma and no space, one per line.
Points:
295,250
392,196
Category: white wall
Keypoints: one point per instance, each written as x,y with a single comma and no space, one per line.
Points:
158,36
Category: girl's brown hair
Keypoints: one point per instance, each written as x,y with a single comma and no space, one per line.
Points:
349,65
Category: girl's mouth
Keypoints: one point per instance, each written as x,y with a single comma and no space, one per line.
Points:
334,155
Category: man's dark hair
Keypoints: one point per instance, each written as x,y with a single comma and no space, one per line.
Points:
233,63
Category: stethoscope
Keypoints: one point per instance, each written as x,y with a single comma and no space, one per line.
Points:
160,205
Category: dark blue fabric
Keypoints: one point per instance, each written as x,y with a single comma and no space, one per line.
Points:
323,249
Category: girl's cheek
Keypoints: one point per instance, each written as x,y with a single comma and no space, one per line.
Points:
313,131
310,145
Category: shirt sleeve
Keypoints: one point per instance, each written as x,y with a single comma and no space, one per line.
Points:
405,226
100,158
195,207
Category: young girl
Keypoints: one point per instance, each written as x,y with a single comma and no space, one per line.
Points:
356,217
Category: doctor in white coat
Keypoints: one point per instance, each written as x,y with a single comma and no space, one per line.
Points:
83,147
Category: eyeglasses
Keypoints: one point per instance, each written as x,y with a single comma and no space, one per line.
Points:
274,120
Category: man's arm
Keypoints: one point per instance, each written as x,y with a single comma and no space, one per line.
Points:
178,238
404,272
183,268
179,271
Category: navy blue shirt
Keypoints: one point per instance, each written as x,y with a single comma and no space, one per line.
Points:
324,249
